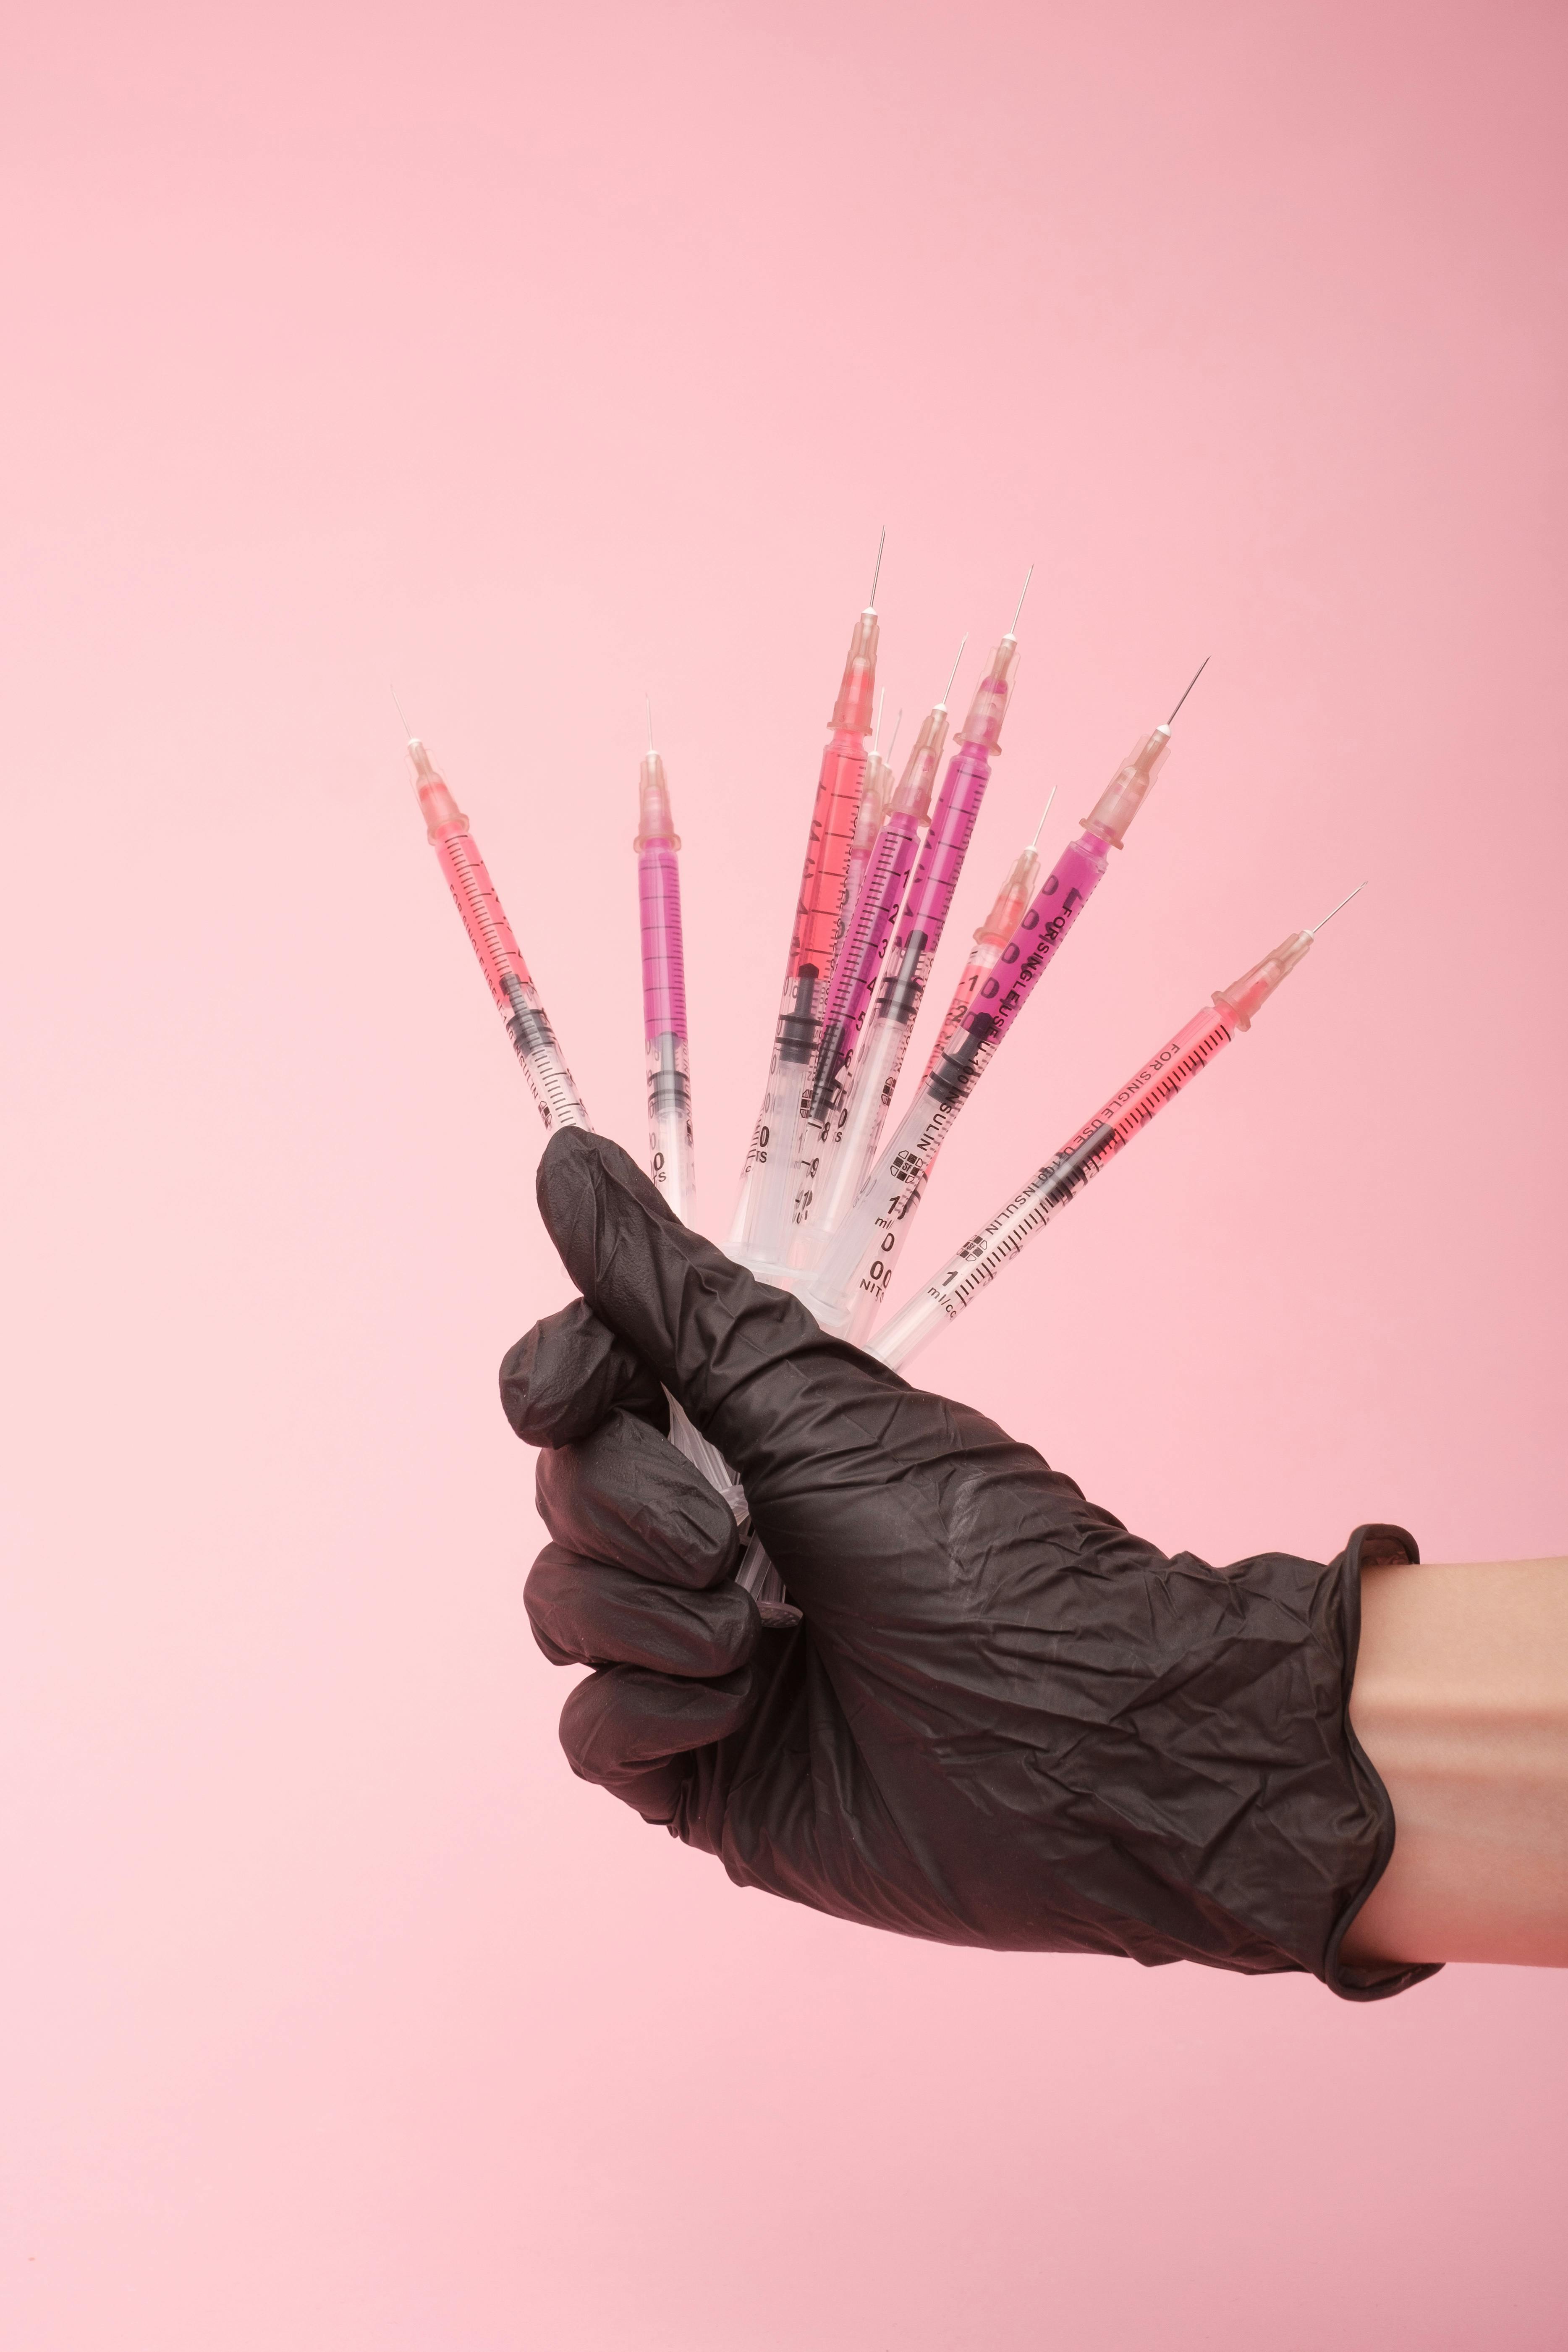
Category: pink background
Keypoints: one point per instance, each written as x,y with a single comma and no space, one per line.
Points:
529,361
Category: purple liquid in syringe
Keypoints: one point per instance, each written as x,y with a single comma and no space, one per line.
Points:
671,1159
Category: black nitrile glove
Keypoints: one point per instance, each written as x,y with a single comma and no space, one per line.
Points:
1004,1721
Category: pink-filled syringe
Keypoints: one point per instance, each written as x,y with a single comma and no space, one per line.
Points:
759,1236
501,959
671,1154
847,1141
976,1265
847,1290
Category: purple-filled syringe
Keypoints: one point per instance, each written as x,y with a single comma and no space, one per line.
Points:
670,1158
846,1142
850,1282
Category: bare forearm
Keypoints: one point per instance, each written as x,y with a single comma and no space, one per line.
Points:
1462,1703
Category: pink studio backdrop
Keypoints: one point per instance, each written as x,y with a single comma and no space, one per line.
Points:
531,361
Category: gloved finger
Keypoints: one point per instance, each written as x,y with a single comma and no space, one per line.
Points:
562,1378
586,1613
623,1494
748,1363
634,1732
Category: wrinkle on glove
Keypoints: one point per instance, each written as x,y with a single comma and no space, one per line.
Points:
1003,1720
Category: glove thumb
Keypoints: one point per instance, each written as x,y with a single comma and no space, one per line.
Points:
753,1370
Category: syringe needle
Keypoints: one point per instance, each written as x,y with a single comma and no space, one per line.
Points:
1028,577
1192,682
648,699
871,598
958,657
1334,910
1044,815
893,737
398,707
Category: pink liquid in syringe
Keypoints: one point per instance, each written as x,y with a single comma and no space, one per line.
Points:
501,959
663,959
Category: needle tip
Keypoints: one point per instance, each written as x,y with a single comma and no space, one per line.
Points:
1334,910
398,707
871,598
1191,683
1028,575
1044,815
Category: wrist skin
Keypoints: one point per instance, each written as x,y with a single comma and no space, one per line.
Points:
1461,1700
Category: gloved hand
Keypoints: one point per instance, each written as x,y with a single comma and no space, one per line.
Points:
1004,1721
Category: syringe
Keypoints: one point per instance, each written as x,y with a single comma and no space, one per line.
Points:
993,935
501,959
533,1041
759,1235
669,1146
865,937
847,1288
982,1258
850,1136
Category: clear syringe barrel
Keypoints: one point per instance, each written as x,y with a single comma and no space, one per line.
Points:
761,1230
851,1281
670,1157
853,1126
975,1267
550,1081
